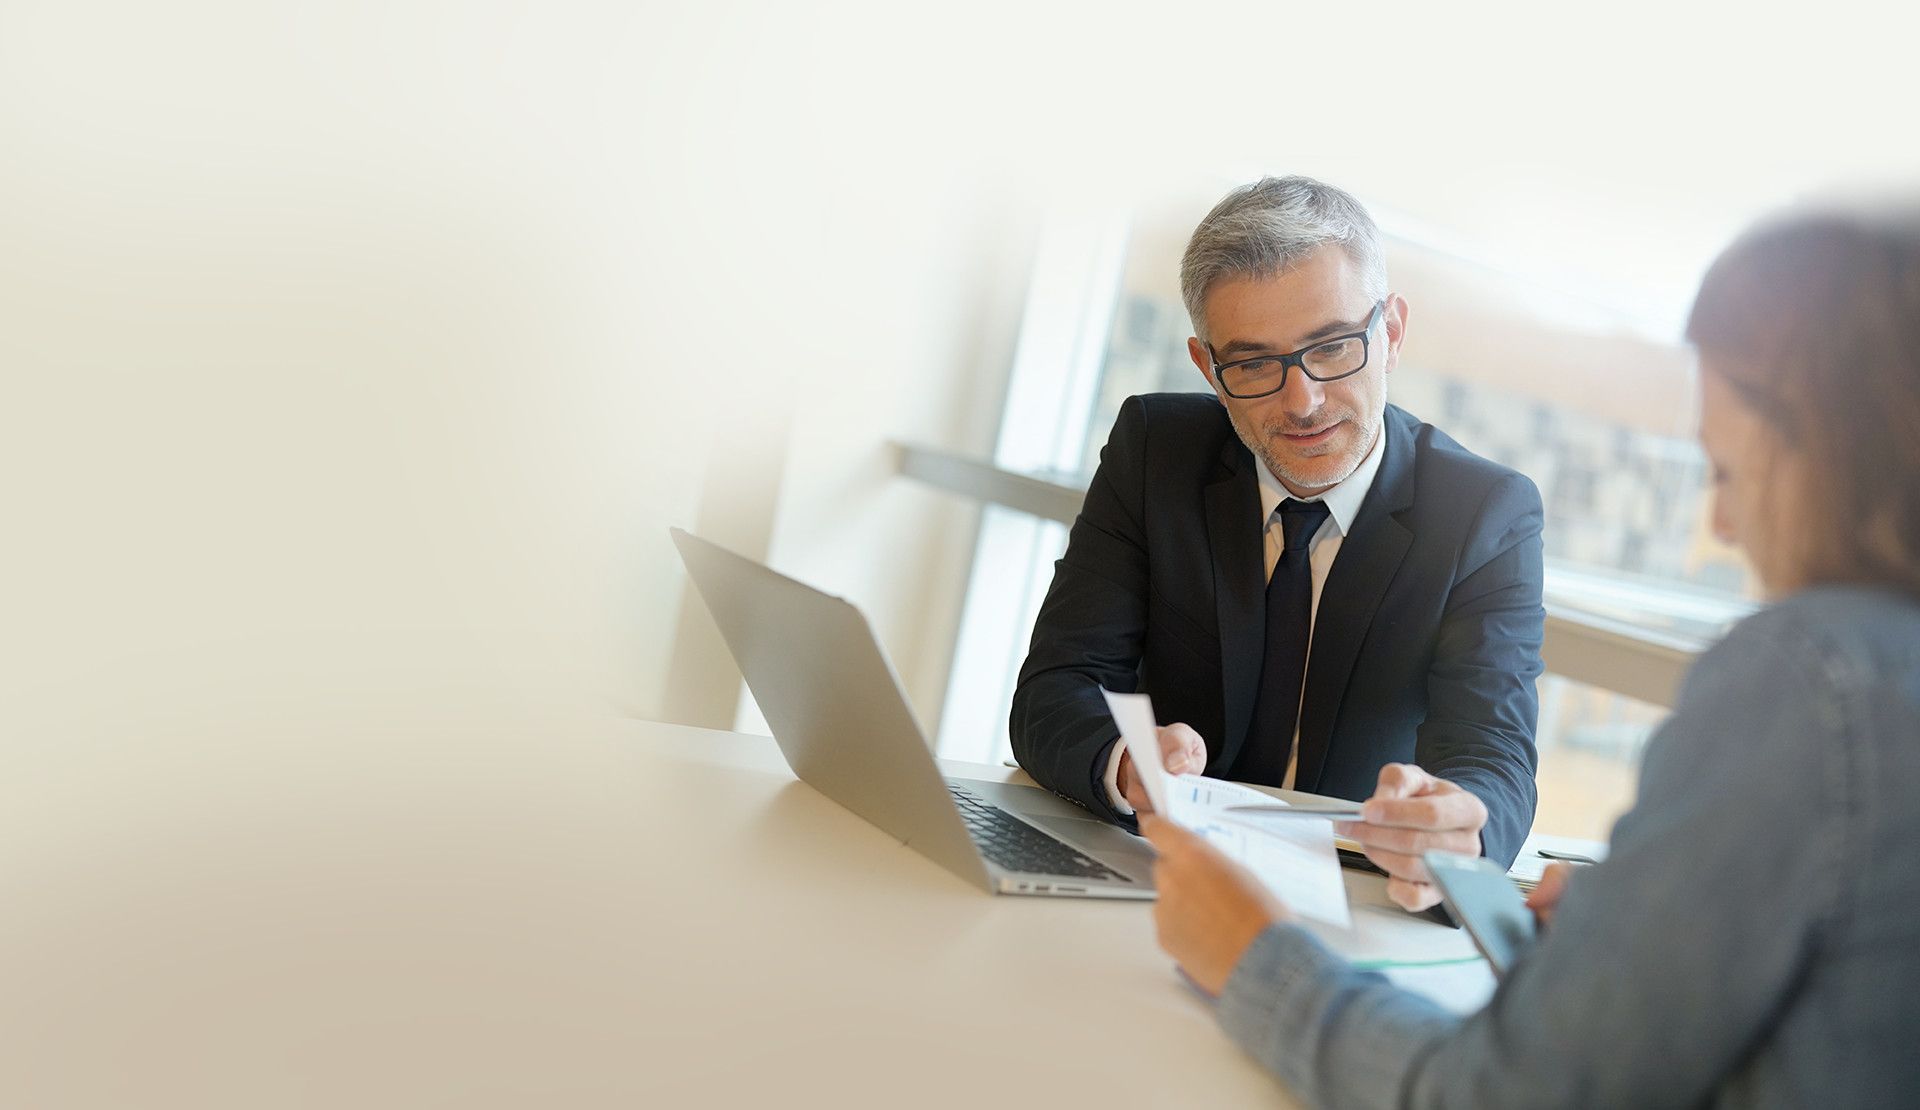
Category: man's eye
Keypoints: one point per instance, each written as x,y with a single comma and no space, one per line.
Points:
1259,366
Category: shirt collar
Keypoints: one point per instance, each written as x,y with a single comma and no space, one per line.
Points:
1343,500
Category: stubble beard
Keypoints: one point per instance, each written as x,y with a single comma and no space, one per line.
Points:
1333,469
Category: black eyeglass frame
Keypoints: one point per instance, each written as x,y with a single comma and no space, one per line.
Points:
1298,358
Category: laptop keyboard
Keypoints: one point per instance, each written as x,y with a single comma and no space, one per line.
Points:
1017,846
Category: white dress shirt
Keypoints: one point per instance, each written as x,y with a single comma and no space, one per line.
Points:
1343,503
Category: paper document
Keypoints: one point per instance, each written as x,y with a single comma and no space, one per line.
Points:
1295,859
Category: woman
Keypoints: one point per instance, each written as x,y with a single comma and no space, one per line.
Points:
1754,936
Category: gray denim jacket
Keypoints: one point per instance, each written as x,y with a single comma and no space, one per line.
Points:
1753,938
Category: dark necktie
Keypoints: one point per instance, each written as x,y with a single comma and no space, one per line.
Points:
1276,708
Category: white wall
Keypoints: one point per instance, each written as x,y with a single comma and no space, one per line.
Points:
362,350
320,378
903,332
376,345
922,355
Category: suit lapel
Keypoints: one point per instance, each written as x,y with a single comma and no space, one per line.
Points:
1369,557
1239,591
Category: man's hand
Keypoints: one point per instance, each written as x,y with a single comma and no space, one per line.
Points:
1209,908
1182,752
1411,813
1548,892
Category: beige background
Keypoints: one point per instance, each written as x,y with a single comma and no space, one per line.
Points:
354,358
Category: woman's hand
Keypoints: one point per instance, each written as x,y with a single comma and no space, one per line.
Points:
1546,894
1210,908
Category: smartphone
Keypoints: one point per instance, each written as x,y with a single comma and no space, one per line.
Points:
1484,900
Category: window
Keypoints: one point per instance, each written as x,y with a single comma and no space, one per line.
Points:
1586,390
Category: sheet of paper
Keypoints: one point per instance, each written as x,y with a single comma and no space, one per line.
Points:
1201,791
1134,714
1461,986
1295,859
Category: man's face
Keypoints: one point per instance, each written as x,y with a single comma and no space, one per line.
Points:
1311,434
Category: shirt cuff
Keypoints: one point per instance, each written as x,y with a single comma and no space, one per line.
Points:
1112,779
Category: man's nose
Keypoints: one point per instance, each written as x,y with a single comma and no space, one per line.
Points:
1302,396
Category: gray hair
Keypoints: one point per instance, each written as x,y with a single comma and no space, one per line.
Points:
1264,228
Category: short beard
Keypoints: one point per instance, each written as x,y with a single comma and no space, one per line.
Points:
1261,446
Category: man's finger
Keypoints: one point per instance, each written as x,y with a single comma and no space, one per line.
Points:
1453,809
1400,780
1182,749
1399,865
1412,897
1412,842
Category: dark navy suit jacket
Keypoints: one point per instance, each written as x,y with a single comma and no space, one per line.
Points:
1426,640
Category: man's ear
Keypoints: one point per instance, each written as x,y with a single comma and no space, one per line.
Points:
1395,316
1197,351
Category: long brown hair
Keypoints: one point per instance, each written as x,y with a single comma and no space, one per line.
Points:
1813,319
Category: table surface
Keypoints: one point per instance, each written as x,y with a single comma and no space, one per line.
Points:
594,913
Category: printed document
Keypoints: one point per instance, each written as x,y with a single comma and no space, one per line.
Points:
1294,858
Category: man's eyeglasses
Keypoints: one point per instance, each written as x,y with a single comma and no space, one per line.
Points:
1326,361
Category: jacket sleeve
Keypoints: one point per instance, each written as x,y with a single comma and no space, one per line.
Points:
1482,707
1090,628
1665,965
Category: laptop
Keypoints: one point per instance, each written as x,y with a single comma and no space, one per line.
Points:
844,726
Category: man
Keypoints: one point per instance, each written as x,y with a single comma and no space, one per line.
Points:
1319,591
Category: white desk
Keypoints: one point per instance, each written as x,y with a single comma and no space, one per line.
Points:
522,913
